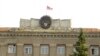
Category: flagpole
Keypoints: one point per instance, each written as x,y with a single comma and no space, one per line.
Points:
48,9
46,6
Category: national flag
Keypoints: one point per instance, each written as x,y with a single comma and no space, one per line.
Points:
49,8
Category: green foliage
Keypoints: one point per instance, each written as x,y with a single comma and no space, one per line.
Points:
80,48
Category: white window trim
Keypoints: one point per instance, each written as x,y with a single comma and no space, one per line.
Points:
44,49
11,48
29,49
96,51
61,50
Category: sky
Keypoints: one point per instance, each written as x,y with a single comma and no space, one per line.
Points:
83,13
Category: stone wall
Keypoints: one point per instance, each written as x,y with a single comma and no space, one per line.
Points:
38,38
57,24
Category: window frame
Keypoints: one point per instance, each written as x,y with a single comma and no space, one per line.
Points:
44,47
95,47
11,48
61,48
29,49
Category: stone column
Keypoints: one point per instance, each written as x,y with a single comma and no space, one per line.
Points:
3,50
36,50
69,49
20,50
53,51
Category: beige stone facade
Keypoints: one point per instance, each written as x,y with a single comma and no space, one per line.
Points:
36,39
26,42
57,24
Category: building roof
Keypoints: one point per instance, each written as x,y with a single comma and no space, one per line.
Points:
2,29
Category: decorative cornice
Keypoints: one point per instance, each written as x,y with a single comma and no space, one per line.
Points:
48,34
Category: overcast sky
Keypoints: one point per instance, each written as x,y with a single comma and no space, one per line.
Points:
83,13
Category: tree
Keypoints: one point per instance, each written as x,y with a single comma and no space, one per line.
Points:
80,48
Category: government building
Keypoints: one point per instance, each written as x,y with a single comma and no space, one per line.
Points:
46,37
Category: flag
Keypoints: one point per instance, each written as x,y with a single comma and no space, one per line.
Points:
49,8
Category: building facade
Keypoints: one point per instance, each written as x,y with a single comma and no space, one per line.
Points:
46,37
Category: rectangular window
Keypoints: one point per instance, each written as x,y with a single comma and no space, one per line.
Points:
12,48
61,49
27,49
95,50
44,49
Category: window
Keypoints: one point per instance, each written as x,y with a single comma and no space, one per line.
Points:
61,49
12,48
95,51
44,49
27,49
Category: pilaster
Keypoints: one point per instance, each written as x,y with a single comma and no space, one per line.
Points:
3,49
69,49
36,50
53,51
20,50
